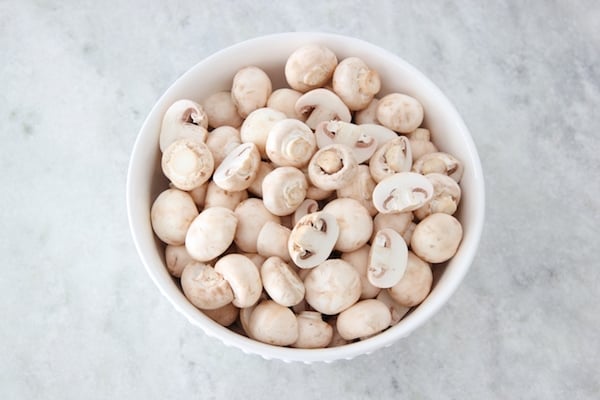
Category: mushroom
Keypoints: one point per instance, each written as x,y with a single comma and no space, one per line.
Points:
380,133
336,339
393,157
354,221
309,67
215,196
176,258
396,310
402,192
360,189
387,259
400,222
313,332
171,215
263,170
221,141
225,315
204,287
211,233
312,239
332,286
306,207
439,162
281,282
184,119
338,132
187,163
290,143
273,323
272,240
332,167
250,90
415,285
221,110
355,83
399,112
251,215
359,259
199,194
367,115
256,258
446,196
436,238
420,143
365,318
243,278
284,100
407,235
284,189
320,105
238,169
257,125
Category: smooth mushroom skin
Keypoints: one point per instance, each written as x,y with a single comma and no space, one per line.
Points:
184,119
308,206
199,194
256,127
407,235
420,143
402,192
332,286
221,110
380,133
284,189
393,157
355,83
187,163
211,233
281,282
388,258
312,239
359,259
250,90
171,215
284,100
365,318
255,187
223,316
204,287
273,323
309,67
243,278
332,167
399,112
415,285
272,241
313,332
217,197
397,311
360,189
238,170
338,132
355,223
439,162
436,238
446,196
252,216
256,258
368,115
336,339
320,105
290,143
221,141
176,258
400,222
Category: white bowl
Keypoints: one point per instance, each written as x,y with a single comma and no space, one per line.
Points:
215,73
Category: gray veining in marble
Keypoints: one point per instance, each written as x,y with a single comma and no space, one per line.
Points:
80,317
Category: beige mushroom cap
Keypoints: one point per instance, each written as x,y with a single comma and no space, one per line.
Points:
273,323
439,162
313,332
257,125
359,259
281,282
365,318
284,189
446,196
171,215
284,100
397,311
250,89
332,286
176,258
416,283
252,216
309,67
436,238
211,233
290,143
225,315
221,110
400,112
272,241
355,223
221,141
187,163
355,83
243,278
204,287
360,189
217,197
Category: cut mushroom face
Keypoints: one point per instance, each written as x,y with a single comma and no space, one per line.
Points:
446,196
290,143
393,157
400,112
380,133
308,206
203,240
439,162
221,111
436,238
332,167
204,287
309,67
284,189
338,132
387,259
238,169
416,283
250,90
281,282
365,318
402,192
243,278
313,332
355,83
171,215
320,105
312,239
184,119
332,286
188,164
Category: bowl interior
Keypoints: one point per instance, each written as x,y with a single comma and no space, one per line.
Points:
145,180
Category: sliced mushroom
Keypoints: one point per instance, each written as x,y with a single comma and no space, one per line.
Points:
306,207
238,169
184,119
284,100
176,258
211,233
204,287
396,310
332,286
252,216
309,67
332,167
338,132
365,318
355,83
221,141
290,143
446,196
273,323
243,278
440,162
416,283
387,259
217,197
354,222
171,215
272,241
320,105
420,143
436,238
221,110
250,89
187,163
284,189
393,157
400,112
359,259
367,115
402,192
257,125
313,239
380,133
313,332
281,282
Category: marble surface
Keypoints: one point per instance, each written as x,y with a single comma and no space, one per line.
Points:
80,317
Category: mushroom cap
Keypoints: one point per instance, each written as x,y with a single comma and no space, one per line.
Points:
332,286
281,282
273,323
388,258
313,332
402,192
221,141
243,278
416,283
393,157
309,67
199,194
290,143
400,222
446,196
312,239
238,170
367,115
338,132
355,223
171,215
365,318
211,233
263,170
360,189
204,287
252,216
184,119
284,189
221,110
272,240
439,162
420,143
359,259
187,163
257,125
225,315
355,83
436,238
396,310
284,100
400,112
250,89
320,105
217,197
176,258
332,167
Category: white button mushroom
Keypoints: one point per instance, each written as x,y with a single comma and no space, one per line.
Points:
281,282
332,167
355,83
250,89
273,324
284,189
359,259
360,189
272,240
312,239
393,157
338,132
188,164
225,315
416,283
439,162
256,127
400,112
396,310
367,115
407,235
211,233
238,170
388,258
436,238
199,194
221,141
313,332
355,223
365,318
256,258
400,222
171,215
290,143
310,67
204,287
221,110
184,119
332,286
284,100
252,216
176,258
320,105
402,192
243,278
217,197
263,170
446,196
420,143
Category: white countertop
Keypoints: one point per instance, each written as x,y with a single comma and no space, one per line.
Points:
80,316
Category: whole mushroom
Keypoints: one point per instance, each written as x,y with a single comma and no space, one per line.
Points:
436,238
365,318
243,278
204,287
217,197
221,110
221,141
355,223
420,143
355,83
281,282
284,189
252,216
446,196
313,332
439,162
250,89
416,283
360,189
273,323
176,258
309,67
272,240
290,143
171,215
359,259
211,233
400,112
238,170
284,100
256,127
332,167
332,286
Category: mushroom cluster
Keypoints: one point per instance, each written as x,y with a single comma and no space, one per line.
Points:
307,216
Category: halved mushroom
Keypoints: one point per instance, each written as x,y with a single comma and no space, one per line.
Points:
420,143
310,67
355,83
284,189
446,196
367,115
416,283
257,125
338,132
387,259
332,286
380,133
239,168
400,112
313,332
402,192
290,143
312,239
250,89
306,207
332,167
354,222
284,100
436,238
243,278
360,189
393,157
221,141
211,233
184,119
221,110
320,105
272,241
187,163
440,162
204,287
281,282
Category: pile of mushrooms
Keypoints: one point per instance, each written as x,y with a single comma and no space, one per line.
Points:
307,216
